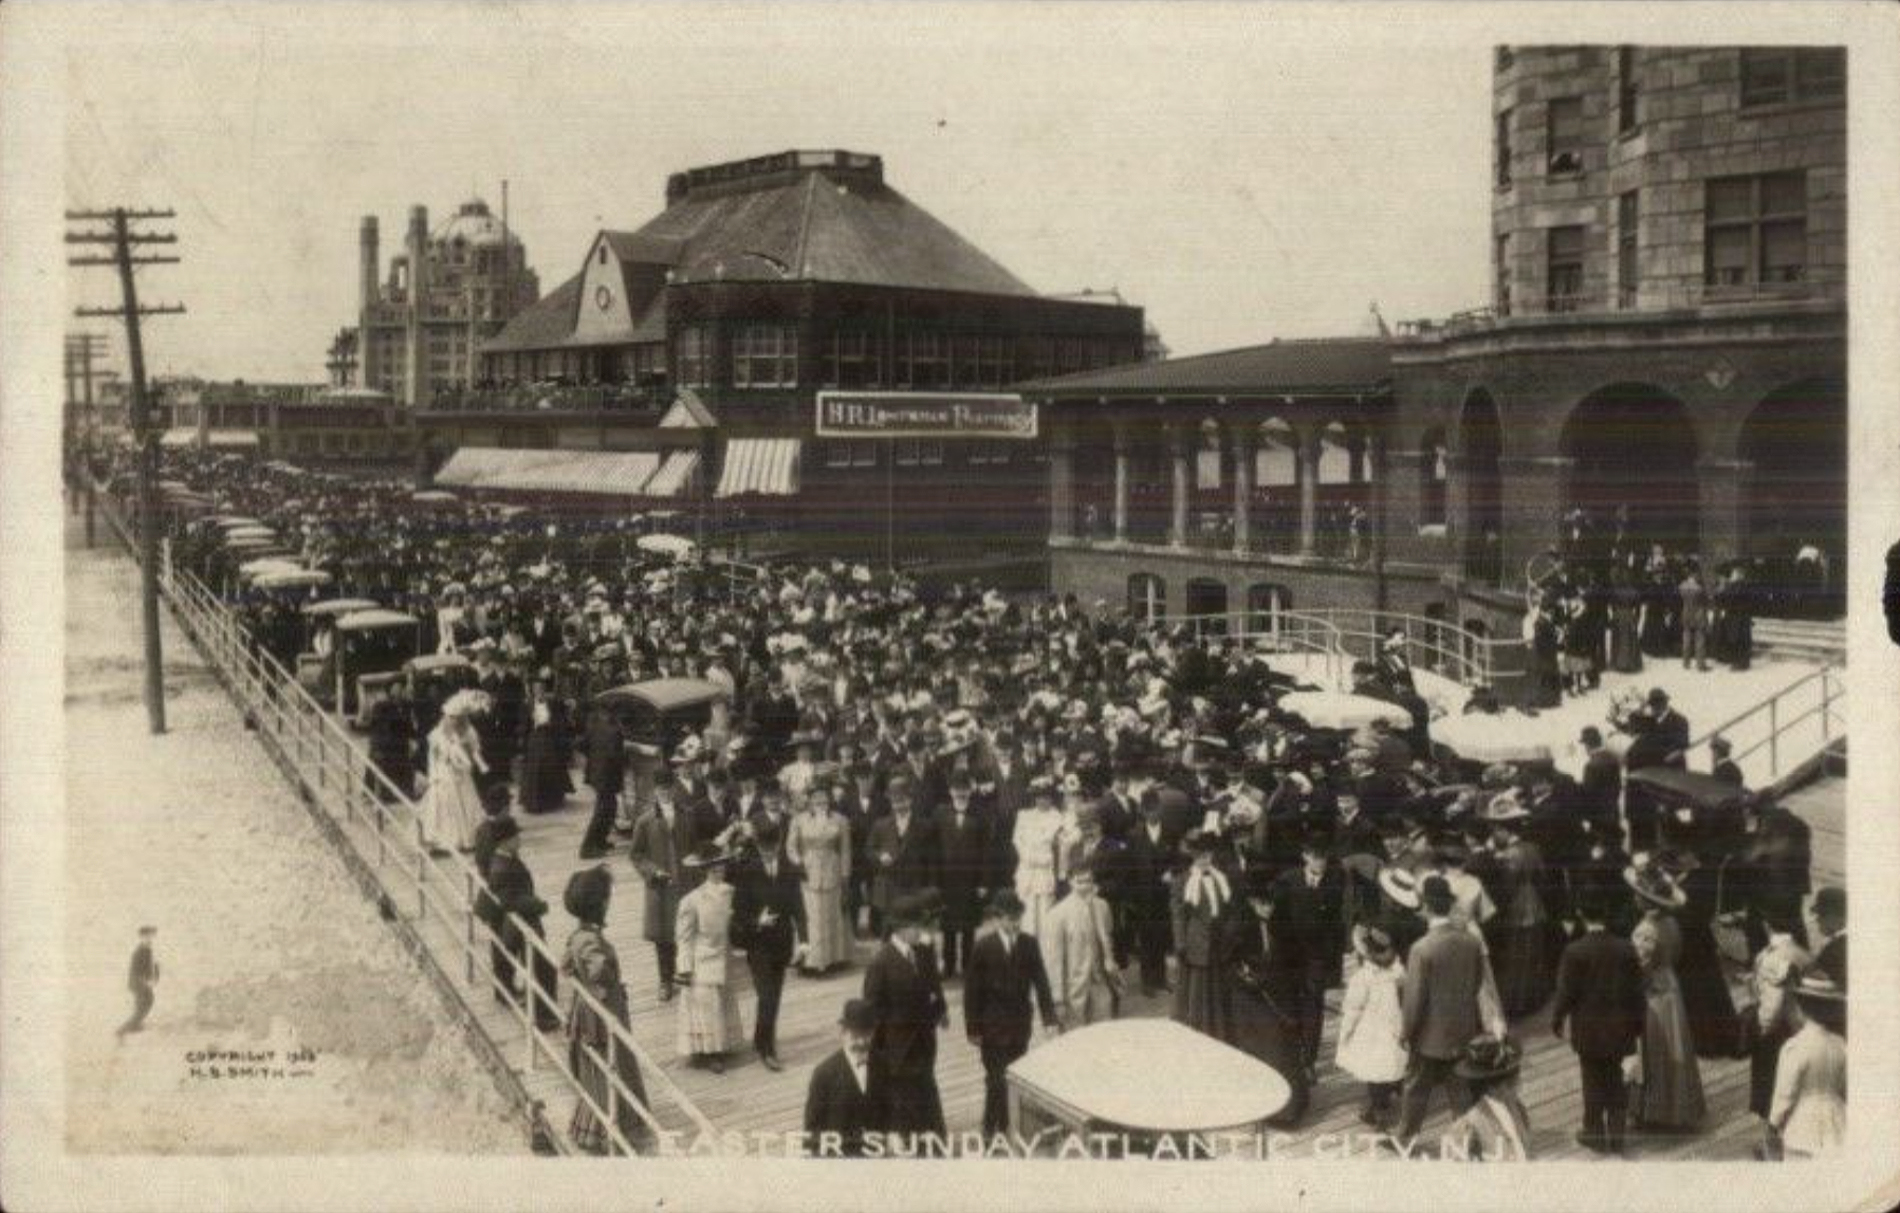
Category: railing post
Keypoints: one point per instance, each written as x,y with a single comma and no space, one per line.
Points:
468,922
1774,737
422,869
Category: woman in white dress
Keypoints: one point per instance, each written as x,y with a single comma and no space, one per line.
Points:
1034,840
452,808
702,930
819,846
1809,1109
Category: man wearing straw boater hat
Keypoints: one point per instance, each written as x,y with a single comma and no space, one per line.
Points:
905,994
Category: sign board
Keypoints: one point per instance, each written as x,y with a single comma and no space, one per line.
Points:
925,415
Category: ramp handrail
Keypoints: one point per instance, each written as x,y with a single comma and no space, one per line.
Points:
1832,693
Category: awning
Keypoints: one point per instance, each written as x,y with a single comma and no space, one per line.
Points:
767,466
673,474
231,439
606,473
185,436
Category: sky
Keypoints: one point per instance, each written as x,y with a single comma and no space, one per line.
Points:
1241,172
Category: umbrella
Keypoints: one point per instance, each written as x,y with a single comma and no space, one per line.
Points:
1333,710
668,545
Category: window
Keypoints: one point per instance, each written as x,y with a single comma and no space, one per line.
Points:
1071,355
930,452
1756,230
988,452
1503,288
838,454
925,361
1265,604
1038,357
1505,58
849,361
1147,596
765,355
603,253
1504,149
1625,89
1778,75
1565,136
693,356
1626,272
904,452
1564,272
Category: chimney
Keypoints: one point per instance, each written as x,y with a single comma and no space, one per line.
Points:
369,258
415,346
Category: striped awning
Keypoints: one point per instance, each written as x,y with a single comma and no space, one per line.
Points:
603,473
673,475
766,466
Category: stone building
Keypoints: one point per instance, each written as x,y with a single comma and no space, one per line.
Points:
1664,351
421,326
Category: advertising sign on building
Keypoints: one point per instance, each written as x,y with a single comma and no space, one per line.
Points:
925,415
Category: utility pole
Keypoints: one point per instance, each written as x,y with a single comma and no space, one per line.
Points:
123,240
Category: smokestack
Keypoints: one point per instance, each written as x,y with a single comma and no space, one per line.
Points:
415,346
369,257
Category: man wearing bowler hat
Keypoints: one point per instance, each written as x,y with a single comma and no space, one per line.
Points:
1006,968
839,1109
906,997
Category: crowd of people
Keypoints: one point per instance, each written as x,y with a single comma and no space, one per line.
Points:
1055,805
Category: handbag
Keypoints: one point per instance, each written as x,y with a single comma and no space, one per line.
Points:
1731,940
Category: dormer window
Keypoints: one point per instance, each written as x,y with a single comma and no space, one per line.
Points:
1565,138
601,256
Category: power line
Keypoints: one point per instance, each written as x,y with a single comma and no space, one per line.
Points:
123,239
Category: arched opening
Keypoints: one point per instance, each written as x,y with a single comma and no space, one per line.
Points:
1207,604
1343,489
1431,478
1210,510
1481,443
1796,496
1150,487
1094,479
1147,597
1634,449
1276,487
1266,604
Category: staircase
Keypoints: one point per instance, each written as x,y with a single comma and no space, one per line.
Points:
1818,640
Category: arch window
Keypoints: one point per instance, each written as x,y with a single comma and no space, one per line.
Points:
1147,596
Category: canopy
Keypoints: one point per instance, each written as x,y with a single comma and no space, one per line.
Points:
673,474
605,473
293,579
433,495
337,607
268,564
1480,737
765,466
1152,1075
250,532
664,694
668,545
1333,710
429,662
375,620
232,521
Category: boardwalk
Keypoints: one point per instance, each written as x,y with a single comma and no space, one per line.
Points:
748,1097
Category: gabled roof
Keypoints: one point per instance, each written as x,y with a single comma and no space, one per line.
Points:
1330,365
543,324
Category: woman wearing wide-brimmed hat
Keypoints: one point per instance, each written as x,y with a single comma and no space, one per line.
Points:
1809,1110
709,1025
1495,1128
593,1050
1520,931
451,809
1668,1094
1371,1043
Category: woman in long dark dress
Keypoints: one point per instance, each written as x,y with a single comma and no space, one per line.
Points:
1523,956
545,782
1204,919
1660,602
1669,1096
593,1050
1626,610
1713,1022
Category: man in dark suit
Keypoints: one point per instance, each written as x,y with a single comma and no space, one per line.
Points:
906,997
510,901
860,804
1005,970
1443,974
1309,907
901,848
1777,854
768,921
662,839
1146,868
607,775
1600,995
1600,794
839,1110
1722,762
962,862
